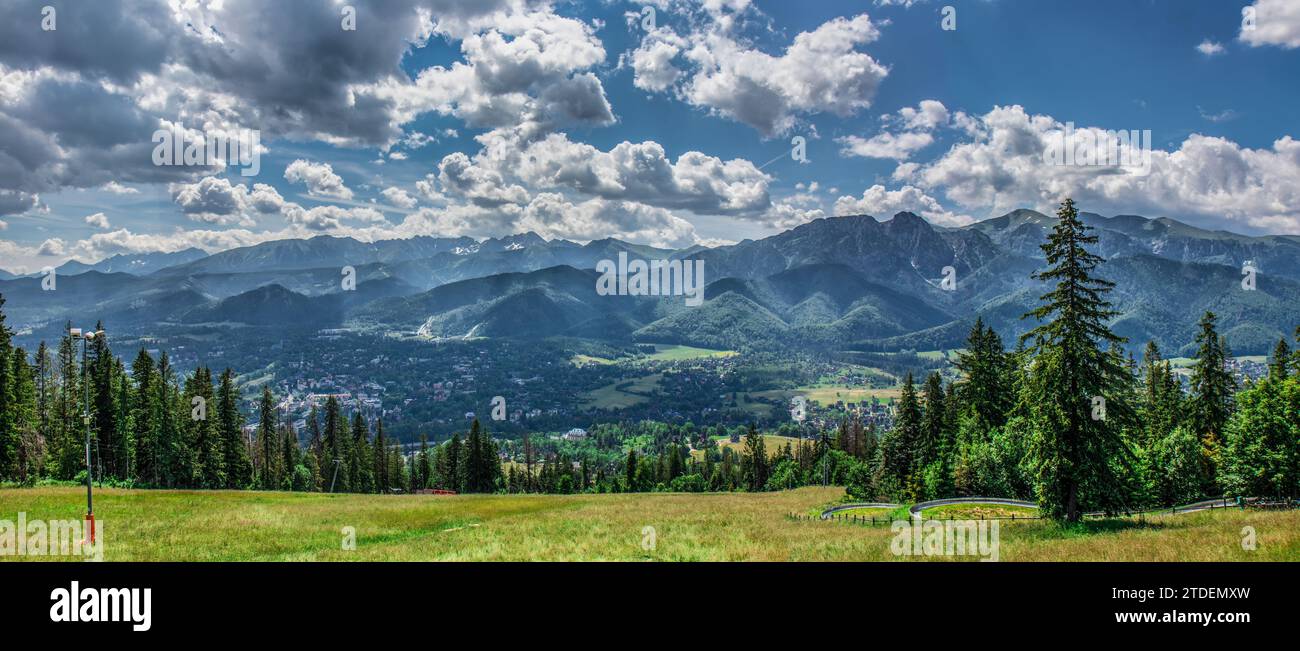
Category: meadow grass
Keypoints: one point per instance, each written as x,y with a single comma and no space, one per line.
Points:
773,443
155,525
673,353
611,396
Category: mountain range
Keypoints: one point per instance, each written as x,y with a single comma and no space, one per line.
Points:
842,283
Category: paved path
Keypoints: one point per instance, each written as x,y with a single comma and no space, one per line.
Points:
861,505
916,509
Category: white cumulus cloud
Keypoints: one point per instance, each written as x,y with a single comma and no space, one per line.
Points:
319,178
1271,22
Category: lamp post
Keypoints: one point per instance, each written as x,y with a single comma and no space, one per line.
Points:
86,338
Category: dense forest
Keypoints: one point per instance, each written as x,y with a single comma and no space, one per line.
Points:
1065,418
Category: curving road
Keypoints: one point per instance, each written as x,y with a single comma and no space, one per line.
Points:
861,505
916,509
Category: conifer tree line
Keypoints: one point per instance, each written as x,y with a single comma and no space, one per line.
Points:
1064,418
151,428
1067,420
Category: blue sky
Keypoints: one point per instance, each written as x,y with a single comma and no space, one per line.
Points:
675,135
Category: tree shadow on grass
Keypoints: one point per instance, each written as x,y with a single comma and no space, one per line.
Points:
1100,526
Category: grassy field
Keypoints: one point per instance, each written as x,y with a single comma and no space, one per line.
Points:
673,353
663,353
584,360
771,442
829,395
254,526
632,392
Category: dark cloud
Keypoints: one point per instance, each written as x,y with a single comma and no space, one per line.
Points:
119,39
80,114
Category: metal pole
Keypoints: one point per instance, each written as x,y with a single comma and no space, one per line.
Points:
336,474
85,418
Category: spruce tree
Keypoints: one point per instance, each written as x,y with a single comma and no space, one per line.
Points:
290,453
1076,389
1295,354
755,461
46,391
29,449
142,414
1279,365
169,413
629,472
126,425
474,462
1210,402
362,475
380,461
334,470
238,466
985,387
1160,404
454,472
896,474
268,461
491,469
312,462
930,447
210,465
315,444
8,433
102,394
420,476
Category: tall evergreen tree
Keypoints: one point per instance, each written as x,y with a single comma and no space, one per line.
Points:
1160,404
475,464
45,395
315,444
454,473
931,445
29,448
381,458
143,411
124,404
420,476
238,466
985,388
361,476
1279,365
8,433
268,445
755,462
896,474
1210,402
210,462
312,462
629,472
1076,388
290,460
170,412
334,471
1295,354
104,413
